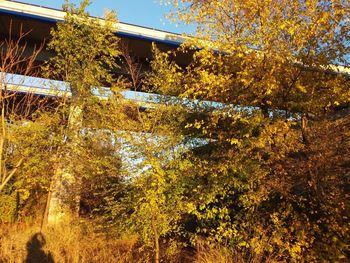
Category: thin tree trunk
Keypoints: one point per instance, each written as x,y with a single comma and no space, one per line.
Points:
156,240
2,143
304,130
8,177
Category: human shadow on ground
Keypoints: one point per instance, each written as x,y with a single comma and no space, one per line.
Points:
35,252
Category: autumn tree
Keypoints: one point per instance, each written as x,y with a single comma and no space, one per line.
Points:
27,131
271,71
273,49
86,52
157,202
147,205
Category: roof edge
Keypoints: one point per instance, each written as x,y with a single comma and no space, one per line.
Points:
51,15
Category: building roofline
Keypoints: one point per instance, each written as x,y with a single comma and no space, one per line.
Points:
52,16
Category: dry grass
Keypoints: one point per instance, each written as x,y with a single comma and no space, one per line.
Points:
79,243
73,244
218,254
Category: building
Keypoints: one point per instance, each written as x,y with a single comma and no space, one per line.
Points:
37,21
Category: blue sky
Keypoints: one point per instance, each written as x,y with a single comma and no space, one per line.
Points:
147,13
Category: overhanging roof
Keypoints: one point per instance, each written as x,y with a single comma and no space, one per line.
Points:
39,20
52,16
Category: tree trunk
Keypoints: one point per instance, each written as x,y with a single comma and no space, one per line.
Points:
304,130
156,240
